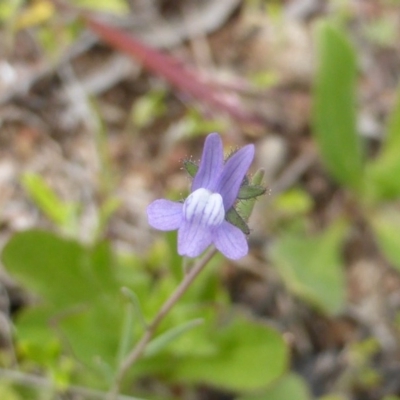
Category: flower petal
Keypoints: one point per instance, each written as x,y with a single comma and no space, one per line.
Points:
165,215
233,173
211,164
230,241
204,207
193,239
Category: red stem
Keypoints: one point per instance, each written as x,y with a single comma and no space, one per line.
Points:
167,67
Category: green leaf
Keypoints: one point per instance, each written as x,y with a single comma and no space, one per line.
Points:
289,387
118,7
8,12
264,79
132,309
293,202
381,31
386,226
333,397
7,392
249,356
148,107
251,191
79,294
164,339
106,211
61,213
245,208
312,267
234,218
194,124
334,113
62,271
190,167
383,173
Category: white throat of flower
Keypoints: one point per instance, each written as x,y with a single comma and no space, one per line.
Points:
204,207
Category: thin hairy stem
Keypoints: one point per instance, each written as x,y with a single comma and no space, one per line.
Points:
138,350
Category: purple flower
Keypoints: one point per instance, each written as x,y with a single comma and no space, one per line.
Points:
200,219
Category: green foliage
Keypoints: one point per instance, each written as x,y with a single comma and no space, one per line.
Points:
84,273
360,353
335,107
361,372
7,392
293,202
156,345
147,108
333,397
383,173
249,356
194,124
63,214
115,6
8,10
312,266
250,191
234,218
82,327
386,226
264,79
78,290
245,208
382,31
290,386
335,130
190,167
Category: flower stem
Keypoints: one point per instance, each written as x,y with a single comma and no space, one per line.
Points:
138,350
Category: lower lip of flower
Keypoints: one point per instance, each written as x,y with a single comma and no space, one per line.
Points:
204,207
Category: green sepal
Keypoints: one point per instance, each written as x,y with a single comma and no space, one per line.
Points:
246,181
245,208
190,167
250,191
233,217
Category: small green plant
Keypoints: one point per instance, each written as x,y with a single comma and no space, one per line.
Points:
373,183
312,265
101,318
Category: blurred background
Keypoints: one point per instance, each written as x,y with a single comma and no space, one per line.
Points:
101,102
